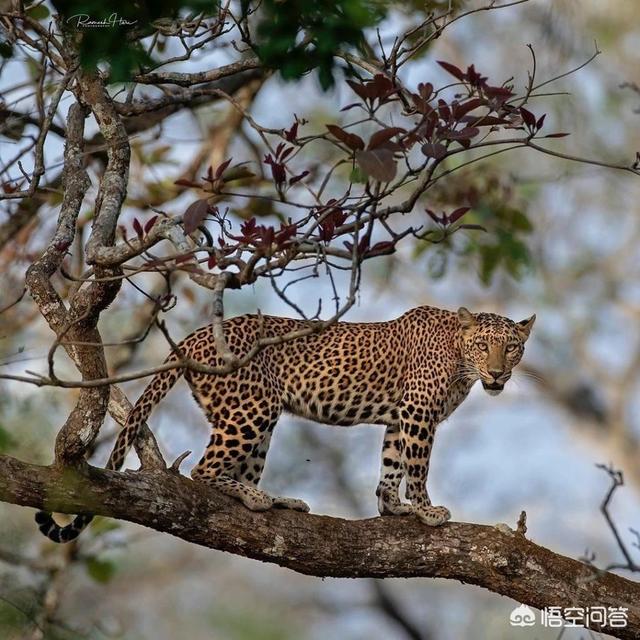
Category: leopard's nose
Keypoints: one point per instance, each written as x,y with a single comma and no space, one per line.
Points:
495,373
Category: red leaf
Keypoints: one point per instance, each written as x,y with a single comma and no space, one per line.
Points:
278,172
358,88
292,133
194,215
379,164
351,106
7,187
475,79
528,118
331,220
285,154
439,219
380,138
541,121
421,104
457,214
443,110
382,87
460,110
425,90
382,248
556,135
363,245
434,150
285,233
249,227
150,223
483,121
498,92
427,126
137,227
464,134
212,261
452,69
266,236
297,178
352,140
183,182
222,167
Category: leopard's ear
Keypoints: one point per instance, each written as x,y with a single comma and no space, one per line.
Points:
467,321
524,326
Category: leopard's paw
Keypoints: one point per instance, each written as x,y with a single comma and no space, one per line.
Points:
290,503
391,506
256,500
433,516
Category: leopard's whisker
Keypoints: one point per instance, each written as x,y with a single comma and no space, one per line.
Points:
531,376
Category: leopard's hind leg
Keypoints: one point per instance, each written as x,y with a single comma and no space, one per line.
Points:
242,415
250,472
220,462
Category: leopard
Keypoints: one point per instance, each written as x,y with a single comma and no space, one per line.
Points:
407,374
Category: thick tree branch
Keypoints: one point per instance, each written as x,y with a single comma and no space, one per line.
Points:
79,322
505,563
189,79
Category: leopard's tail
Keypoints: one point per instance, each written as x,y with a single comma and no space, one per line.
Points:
155,391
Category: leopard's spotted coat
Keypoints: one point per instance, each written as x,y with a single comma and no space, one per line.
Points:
408,374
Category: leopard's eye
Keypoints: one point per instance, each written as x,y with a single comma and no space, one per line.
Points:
511,348
482,346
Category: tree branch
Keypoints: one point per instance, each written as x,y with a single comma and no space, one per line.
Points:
505,563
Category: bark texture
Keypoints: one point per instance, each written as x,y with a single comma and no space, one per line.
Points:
503,562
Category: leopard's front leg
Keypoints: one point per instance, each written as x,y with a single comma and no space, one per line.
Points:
416,438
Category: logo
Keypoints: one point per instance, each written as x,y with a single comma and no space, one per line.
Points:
522,616
84,21
596,617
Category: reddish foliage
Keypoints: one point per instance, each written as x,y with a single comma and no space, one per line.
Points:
378,164
149,224
292,133
379,88
383,137
137,227
353,141
265,237
195,215
331,217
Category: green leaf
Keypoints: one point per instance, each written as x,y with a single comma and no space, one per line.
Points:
489,260
6,50
100,570
328,26
520,221
357,176
39,12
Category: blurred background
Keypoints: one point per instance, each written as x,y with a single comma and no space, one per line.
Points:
565,246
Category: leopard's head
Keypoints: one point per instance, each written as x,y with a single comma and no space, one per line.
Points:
491,346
